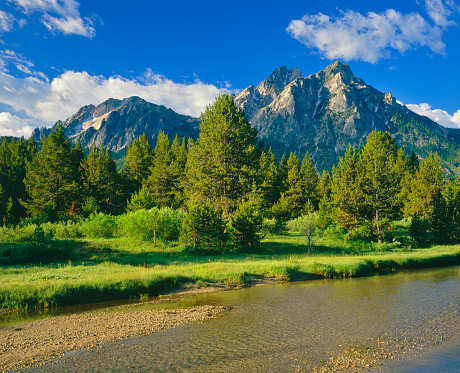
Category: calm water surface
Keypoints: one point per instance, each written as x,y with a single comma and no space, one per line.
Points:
300,327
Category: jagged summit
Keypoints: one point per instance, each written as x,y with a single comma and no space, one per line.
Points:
323,113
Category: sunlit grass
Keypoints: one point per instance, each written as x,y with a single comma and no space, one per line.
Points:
120,268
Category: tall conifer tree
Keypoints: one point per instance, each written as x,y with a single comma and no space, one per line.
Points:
53,180
223,164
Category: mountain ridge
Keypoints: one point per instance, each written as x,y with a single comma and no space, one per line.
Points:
322,114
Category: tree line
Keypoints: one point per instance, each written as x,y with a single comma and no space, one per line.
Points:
228,178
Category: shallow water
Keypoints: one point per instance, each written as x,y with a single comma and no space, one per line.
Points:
300,327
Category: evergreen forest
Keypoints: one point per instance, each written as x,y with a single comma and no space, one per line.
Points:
223,192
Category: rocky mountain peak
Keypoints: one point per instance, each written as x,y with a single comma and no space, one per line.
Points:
106,107
275,83
336,74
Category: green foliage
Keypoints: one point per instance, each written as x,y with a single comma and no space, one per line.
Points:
140,200
204,227
53,178
419,229
246,225
306,225
347,197
311,180
163,182
139,159
427,184
99,225
163,224
381,182
222,166
15,154
90,206
268,179
295,193
102,181
281,212
445,220
64,230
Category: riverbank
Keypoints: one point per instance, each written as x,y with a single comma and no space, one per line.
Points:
33,343
116,269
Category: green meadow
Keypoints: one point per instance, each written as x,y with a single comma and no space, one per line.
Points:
94,270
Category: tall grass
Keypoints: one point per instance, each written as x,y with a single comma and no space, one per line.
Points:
120,268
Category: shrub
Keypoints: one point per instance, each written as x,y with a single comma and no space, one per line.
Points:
204,227
419,228
246,225
281,212
64,230
140,200
164,224
99,226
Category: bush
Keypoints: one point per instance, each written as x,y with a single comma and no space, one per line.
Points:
204,227
419,228
281,212
64,230
246,225
99,226
164,224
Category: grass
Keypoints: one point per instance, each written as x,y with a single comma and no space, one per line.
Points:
121,268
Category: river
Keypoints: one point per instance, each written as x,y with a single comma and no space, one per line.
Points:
401,322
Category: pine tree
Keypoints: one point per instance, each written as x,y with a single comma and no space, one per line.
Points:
268,179
324,185
427,184
246,225
311,180
139,159
15,154
102,181
53,179
295,191
204,227
164,181
223,165
283,170
381,182
347,197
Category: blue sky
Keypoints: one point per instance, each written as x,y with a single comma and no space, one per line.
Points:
58,55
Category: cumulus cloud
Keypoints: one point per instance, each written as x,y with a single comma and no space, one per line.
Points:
11,125
59,16
370,37
439,116
64,95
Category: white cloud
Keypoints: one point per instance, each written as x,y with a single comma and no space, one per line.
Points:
440,116
370,37
65,94
11,58
438,12
6,21
11,125
60,16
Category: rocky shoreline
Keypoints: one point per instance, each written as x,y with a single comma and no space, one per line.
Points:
33,343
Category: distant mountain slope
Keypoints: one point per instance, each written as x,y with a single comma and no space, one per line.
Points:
117,123
326,112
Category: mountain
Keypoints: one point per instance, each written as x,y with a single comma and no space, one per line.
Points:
326,112
116,123
322,113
